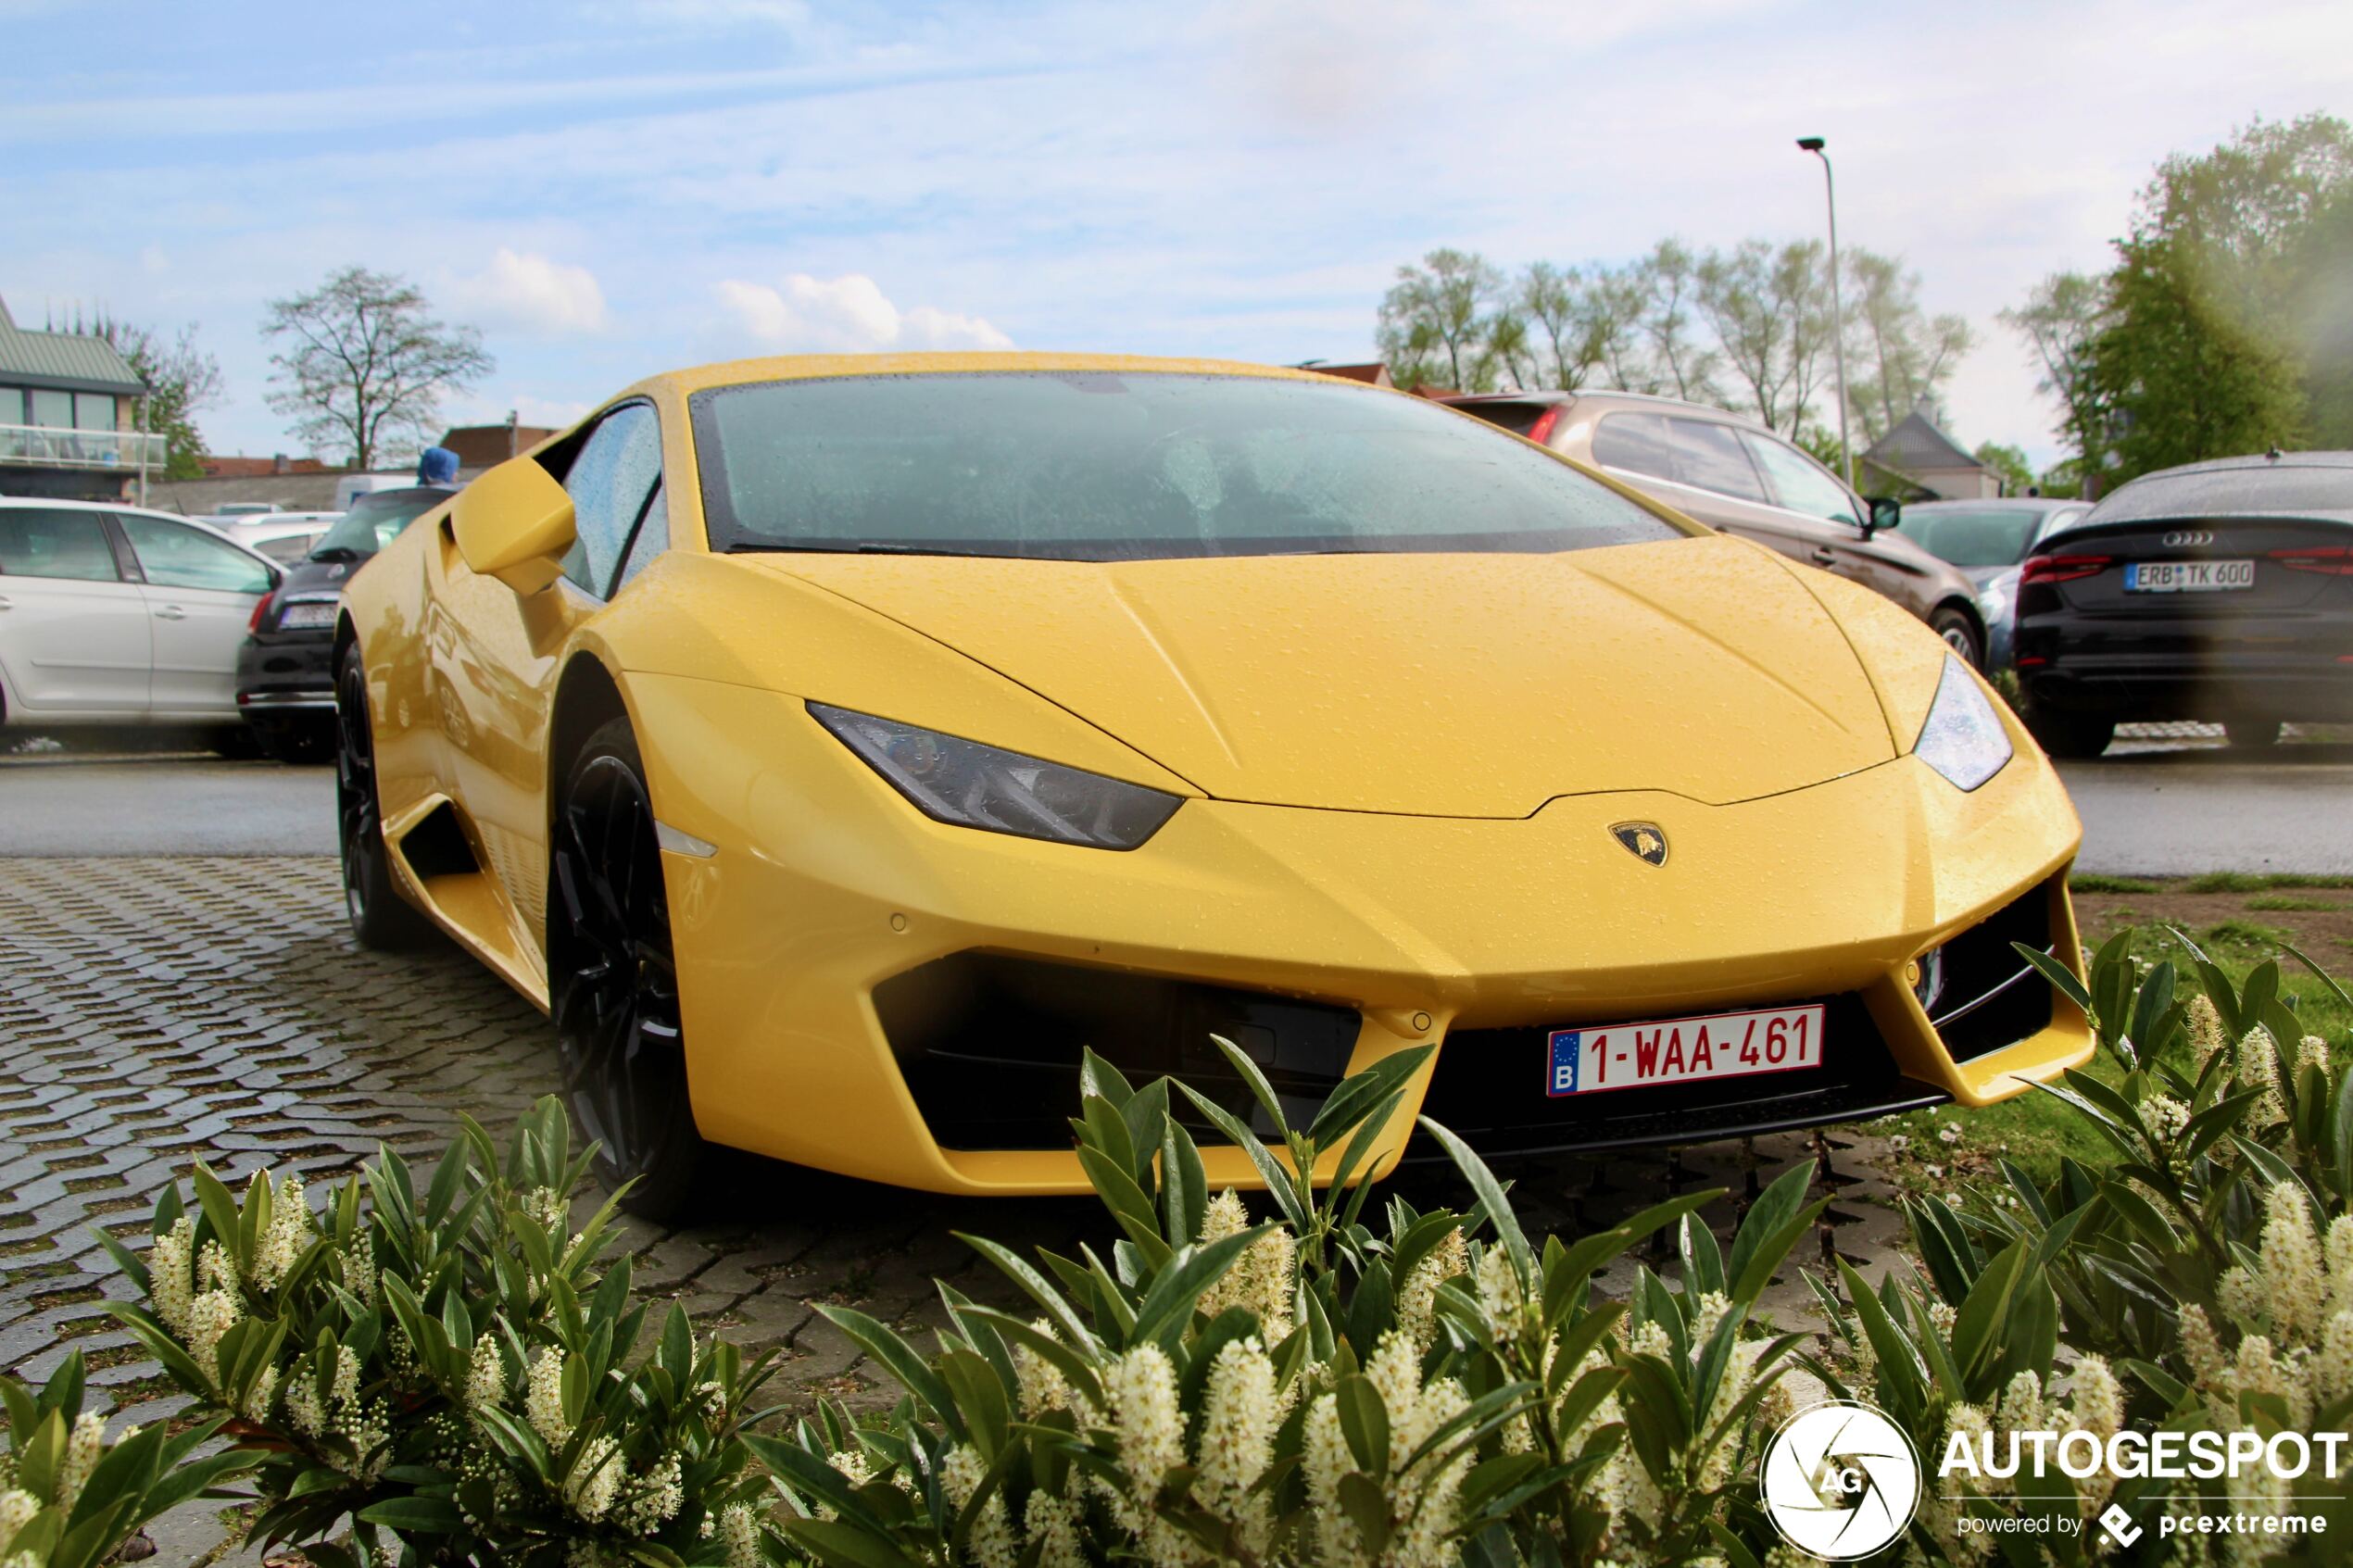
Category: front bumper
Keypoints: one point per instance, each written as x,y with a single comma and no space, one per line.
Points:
1361,933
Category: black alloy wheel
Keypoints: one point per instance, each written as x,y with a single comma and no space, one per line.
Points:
613,981
380,917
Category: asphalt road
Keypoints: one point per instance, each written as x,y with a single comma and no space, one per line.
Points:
2175,805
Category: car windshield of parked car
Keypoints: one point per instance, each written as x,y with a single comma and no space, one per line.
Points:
1974,536
374,520
1102,466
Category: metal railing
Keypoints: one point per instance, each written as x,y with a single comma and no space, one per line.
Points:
41,446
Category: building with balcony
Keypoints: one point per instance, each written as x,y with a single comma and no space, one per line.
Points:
70,417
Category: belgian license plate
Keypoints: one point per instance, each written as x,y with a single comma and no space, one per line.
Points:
294,617
1681,1051
2188,576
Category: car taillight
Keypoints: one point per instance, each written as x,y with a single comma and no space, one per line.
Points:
2064,569
1541,430
2330,560
261,611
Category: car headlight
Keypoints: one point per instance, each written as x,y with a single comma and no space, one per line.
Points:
974,786
1963,739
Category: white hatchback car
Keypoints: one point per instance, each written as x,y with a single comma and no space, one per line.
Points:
114,615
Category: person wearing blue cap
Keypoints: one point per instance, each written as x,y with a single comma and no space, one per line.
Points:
437,465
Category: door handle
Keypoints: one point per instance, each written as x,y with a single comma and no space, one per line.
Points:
7,603
171,612
1824,557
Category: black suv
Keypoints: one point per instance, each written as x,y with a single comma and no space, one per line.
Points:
2222,591
285,670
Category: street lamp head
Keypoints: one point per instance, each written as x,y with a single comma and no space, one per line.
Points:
1811,143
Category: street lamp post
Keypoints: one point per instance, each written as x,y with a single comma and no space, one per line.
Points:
1838,317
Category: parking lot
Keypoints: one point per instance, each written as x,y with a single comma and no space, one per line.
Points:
196,994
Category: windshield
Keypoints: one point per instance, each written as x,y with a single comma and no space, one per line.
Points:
1103,466
376,518
1977,536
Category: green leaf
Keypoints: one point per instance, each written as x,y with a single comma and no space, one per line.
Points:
898,1358
2343,998
1260,1088
1278,1182
2061,977
1100,1079
1184,1185
1978,1326
1075,1368
1034,1284
1168,1305
1364,1421
1366,1505
839,1545
1491,1197
415,1514
1355,1099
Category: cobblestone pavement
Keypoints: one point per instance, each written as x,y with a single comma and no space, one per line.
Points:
157,1010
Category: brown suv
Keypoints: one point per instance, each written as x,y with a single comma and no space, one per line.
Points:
1733,473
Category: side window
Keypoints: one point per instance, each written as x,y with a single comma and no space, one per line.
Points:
35,542
609,483
652,538
1799,483
1709,456
1636,443
176,556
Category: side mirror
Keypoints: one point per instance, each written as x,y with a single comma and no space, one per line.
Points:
1886,512
514,523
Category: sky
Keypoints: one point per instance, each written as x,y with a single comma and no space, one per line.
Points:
617,187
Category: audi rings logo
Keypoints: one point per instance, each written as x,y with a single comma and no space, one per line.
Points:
2187,538
1840,1481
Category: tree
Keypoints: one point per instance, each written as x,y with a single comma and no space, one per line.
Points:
2062,321
1669,281
2010,465
364,364
182,378
1436,319
1770,313
1898,355
2188,376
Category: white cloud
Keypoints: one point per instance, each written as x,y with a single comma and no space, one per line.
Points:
528,293
847,314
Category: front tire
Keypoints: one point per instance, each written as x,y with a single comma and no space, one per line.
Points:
613,981
2252,734
381,919
1958,628
2070,736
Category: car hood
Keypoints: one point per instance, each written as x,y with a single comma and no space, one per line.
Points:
1473,686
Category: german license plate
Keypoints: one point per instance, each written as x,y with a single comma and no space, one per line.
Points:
2188,576
1681,1051
294,617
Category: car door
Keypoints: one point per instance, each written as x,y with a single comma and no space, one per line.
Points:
73,633
493,655
1828,517
200,592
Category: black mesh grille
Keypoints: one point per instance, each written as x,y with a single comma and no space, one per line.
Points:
990,1045
1989,997
1489,1089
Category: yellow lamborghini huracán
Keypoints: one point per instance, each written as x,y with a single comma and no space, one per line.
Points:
836,748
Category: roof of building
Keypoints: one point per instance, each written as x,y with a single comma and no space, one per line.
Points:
255,468
480,447
1372,373
64,361
1916,445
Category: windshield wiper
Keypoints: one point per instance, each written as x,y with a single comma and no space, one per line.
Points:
334,553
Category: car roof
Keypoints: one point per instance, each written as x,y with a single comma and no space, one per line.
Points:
1473,400
14,501
2319,485
2020,502
813,367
